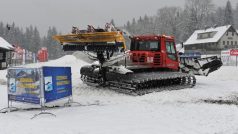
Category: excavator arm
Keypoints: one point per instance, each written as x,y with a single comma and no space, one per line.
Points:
93,41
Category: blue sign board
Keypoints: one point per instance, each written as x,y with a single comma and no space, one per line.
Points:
31,84
24,85
57,83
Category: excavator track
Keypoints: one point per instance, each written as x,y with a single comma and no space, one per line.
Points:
137,84
144,83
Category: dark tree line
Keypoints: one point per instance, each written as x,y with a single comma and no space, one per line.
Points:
182,22
30,39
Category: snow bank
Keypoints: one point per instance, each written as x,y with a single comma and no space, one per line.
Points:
225,73
3,74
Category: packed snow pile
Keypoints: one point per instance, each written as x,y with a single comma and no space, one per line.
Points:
3,78
202,109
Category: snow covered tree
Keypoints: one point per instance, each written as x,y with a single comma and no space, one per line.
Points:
196,12
54,49
228,14
36,40
28,41
112,22
1,29
236,16
220,16
168,21
128,26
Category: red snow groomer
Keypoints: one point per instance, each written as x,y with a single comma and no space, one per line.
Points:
42,55
152,63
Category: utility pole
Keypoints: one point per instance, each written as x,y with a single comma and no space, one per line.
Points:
9,57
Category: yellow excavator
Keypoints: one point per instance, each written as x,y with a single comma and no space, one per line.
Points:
153,64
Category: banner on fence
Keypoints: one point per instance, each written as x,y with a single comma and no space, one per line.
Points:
234,52
24,85
31,84
57,83
231,52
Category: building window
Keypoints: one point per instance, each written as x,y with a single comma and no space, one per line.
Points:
208,35
224,43
235,42
227,33
233,33
231,42
205,35
227,42
1,56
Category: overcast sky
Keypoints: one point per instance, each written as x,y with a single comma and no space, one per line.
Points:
65,13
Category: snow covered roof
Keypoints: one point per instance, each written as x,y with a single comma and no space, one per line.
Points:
217,31
5,45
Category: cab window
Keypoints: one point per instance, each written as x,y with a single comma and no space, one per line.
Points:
170,49
146,46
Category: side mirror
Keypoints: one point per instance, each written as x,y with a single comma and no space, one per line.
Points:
180,53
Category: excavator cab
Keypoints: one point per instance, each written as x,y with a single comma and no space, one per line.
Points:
154,51
159,52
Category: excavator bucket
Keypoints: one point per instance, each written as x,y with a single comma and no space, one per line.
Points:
200,66
92,41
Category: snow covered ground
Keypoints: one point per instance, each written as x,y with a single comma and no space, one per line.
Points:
168,112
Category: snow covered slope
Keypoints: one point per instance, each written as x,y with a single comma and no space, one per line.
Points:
187,111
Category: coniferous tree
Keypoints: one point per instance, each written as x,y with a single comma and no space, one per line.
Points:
228,14
113,22
54,48
36,40
1,29
128,26
236,16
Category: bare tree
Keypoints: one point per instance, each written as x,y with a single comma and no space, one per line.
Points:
168,21
197,12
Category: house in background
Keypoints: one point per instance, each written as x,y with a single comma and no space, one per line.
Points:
212,40
5,48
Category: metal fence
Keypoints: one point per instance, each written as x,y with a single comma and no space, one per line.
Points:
21,57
